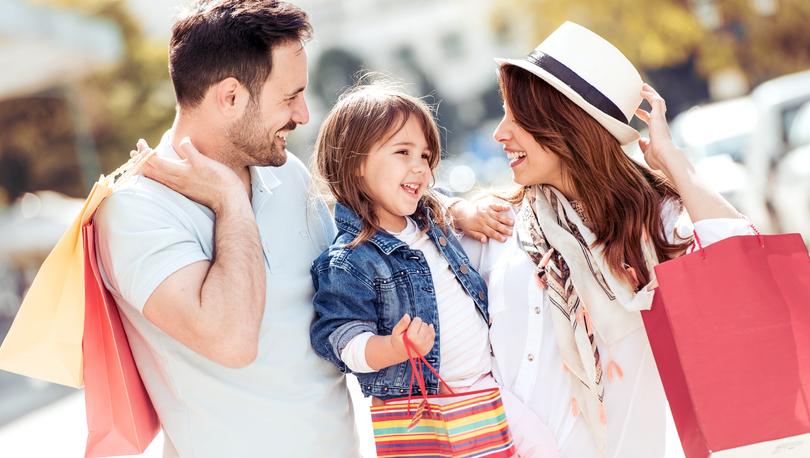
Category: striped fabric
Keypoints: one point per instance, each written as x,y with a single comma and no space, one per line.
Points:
454,425
470,424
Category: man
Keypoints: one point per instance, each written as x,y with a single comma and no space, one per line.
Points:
210,263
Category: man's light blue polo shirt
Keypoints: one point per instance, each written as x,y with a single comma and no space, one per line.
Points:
289,402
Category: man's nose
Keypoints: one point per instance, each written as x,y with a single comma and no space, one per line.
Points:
301,111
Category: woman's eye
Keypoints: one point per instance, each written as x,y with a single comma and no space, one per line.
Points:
425,156
402,151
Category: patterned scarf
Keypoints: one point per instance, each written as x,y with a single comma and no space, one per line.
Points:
580,289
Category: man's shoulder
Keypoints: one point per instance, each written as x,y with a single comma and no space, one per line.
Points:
143,199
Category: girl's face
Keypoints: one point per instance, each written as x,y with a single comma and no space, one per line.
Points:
396,174
531,163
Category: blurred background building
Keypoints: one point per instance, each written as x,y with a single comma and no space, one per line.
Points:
84,79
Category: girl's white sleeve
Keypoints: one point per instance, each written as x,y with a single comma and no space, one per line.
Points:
354,354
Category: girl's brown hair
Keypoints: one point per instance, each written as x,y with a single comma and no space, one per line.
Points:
622,199
363,117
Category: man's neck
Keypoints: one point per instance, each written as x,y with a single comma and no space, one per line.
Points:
208,141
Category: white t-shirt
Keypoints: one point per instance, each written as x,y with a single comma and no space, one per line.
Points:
145,232
464,351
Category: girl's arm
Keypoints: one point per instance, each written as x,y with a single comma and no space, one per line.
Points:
699,198
385,351
345,308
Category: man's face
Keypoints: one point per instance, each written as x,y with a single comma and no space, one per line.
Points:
260,134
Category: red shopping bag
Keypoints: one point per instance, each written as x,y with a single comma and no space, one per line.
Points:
730,332
120,417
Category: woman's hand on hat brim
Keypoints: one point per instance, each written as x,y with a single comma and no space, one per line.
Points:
660,152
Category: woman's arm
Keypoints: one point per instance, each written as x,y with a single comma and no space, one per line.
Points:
699,198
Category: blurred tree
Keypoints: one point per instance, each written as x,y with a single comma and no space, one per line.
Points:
41,137
132,100
37,147
762,38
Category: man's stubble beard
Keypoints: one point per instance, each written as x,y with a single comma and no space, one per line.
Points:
253,143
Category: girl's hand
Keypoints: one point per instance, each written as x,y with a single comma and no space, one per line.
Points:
660,152
421,335
482,219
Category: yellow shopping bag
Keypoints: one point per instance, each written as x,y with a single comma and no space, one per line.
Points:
45,340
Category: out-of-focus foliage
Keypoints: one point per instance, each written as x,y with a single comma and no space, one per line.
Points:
132,99
33,157
763,38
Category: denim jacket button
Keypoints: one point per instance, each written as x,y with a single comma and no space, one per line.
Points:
464,269
481,295
442,241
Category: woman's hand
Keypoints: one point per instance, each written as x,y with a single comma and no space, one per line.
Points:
482,219
699,197
660,152
195,175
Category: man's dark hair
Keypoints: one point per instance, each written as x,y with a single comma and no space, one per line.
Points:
218,39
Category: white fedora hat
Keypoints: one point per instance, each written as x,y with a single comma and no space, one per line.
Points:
592,73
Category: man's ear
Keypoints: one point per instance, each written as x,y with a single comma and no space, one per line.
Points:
231,97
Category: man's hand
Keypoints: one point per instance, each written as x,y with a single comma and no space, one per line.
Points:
195,176
482,219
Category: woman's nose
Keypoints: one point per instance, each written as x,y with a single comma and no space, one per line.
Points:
501,133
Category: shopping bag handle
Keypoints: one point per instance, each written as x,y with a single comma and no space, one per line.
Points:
417,373
701,248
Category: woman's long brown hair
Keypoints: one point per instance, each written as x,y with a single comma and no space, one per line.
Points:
363,117
622,199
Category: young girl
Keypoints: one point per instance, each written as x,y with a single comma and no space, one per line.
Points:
395,267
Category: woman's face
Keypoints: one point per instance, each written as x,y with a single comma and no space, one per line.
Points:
531,162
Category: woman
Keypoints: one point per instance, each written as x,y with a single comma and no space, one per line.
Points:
567,286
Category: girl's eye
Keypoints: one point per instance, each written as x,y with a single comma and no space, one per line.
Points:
402,151
425,156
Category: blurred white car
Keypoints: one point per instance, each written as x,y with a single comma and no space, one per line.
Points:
714,137
791,184
777,102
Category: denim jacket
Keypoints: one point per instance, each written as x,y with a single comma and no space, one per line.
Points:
371,286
